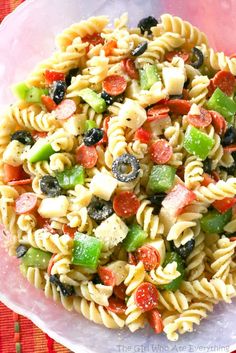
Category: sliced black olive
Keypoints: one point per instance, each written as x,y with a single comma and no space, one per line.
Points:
49,185
176,96
72,73
229,136
126,168
199,58
99,210
108,99
57,91
21,250
230,170
120,98
207,166
140,49
184,250
93,136
186,83
145,24
96,279
65,289
156,201
23,136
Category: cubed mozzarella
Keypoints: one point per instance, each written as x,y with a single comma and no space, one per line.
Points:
75,124
53,207
194,110
103,186
173,78
120,270
13,153
132,114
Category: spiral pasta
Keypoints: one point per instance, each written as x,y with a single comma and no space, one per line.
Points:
222,258
218,191
195,261
173,301
96,293
193,172
164,275
198,92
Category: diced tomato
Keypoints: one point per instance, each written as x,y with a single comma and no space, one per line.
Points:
120,290
179,106
233,56
146,296
211,88
128,66
202,120
142,135
161,152
219,122
232,239
25,203
178,198
51,76
93,39
109,46
224,205
132,259
20,182
155,320
44,223
149,256
39,134
225,80
50,264
107,276
230,148
126,204
12,173
158,111
65,109
68,230
180,53
116,305
87,156
49,103
106,123
207,179
114,85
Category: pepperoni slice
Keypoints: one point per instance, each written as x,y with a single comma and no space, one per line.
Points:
149,256
106,123
211,88
50,264
180,53
230,148
93,39
20,182
65,109
114,85
25,203
142,135
179,106
215,175
116,305
232,239
157,112
132,259
219,122
107,276
51,76
225,80
155,320
109,46
119,291
202,120
126,204
161,152
128,66
86,156
146,296
68,230
49,103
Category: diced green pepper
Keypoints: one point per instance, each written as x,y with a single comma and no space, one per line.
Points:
34,94
197,142
175,284
223,104
161,178
20,90
214,222
71,177
135,238
90,124
86,251
36,258
93,99
148,76
40,151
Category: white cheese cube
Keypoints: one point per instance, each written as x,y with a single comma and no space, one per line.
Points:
132,114
111,231
159,245
119,269
173,78
75,125
194,110
103,186
53,207
13,153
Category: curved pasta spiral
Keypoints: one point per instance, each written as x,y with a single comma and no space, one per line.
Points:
137,149
26,222
97,68
173,301
81,220
218,191
61,140
116,138
39,168
61,264
8,219
97,293
217,151
195,261
223,258
34,276
161,276
193,172
198,92
218,61
61,161
92,115
78,83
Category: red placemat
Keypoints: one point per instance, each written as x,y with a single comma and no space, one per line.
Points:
18,334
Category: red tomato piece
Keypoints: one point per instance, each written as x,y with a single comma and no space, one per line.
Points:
106,123
128,66
161,152
116,305
114,85
225,81
86,156
25,203
219,122
20,182
68,230
142,135
49,103
207,179
202,120
93,39
39,134
178,198
155,320
146,296
224,205
51,76
232,239
179,106
107,276
233,56
126,204
109,46
149,256
50,264
119,291
12,173
132,259
65,109
211,88
230,148
158,111
180,53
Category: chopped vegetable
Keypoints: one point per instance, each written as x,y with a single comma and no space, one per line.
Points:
51,76
175,284
21,250
65,289
109,46
34,94
90,124
92,98
214,222
184,250
229,137
197,142
224,205
222,104
93,136
36,258
199,58
126,204
20,90
146,296
148,76
161,178
86,251
135,238
23,136
69,178
126,168
49,103
142,135
177,199
156,201
40,151
25,203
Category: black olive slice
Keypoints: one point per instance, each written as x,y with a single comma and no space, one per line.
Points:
49,185
126,168
93,136
140,49
23,136
21,250
65,289
199,58
57,91
184,250
99,210
145,24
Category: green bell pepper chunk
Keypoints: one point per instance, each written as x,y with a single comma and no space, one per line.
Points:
214,222
90,124
20,90
223,104
197,142
93,99
175,284
71,177
34,94
148,76
86,251
161,178
40,151
135,238
36,258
